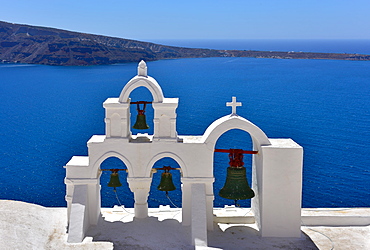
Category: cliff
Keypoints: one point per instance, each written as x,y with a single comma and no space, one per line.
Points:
40,45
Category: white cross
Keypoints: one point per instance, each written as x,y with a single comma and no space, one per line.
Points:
233,105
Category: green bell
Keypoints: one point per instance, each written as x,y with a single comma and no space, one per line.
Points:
140,118
236,185
166,183
140,122
114,181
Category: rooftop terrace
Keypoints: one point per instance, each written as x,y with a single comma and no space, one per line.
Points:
29,226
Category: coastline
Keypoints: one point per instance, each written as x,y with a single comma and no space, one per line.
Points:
48,46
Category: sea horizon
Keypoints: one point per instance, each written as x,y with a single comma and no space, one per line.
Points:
350,46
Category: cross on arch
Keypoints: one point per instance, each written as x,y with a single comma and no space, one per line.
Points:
233,104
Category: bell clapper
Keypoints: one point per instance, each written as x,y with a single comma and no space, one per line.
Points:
236,203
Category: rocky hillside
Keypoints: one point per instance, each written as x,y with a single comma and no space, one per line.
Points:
40,45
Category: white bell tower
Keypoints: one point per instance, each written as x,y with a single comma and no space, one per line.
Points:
276,177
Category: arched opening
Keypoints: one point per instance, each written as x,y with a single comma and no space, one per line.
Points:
157,197
232,139
142,94
123,194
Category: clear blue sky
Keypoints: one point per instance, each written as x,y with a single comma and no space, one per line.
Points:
198,19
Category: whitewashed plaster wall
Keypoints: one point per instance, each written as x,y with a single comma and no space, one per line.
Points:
277,168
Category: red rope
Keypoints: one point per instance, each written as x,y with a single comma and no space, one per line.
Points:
236,156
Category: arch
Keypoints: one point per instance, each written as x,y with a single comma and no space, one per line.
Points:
234,138
162,155
229,122
107,195
142,81
109,154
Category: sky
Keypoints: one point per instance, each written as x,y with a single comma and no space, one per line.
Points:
148,20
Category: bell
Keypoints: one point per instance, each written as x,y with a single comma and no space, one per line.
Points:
114,181
141,118
166,183
140,122
236,185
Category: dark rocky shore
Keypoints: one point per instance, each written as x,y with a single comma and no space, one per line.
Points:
40,45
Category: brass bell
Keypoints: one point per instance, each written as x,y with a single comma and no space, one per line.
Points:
114,180
166,183
140,118
236,185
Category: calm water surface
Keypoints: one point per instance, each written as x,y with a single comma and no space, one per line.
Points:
48,114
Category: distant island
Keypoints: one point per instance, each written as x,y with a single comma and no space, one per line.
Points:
21,43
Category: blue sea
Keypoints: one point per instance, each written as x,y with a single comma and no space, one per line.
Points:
48,113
